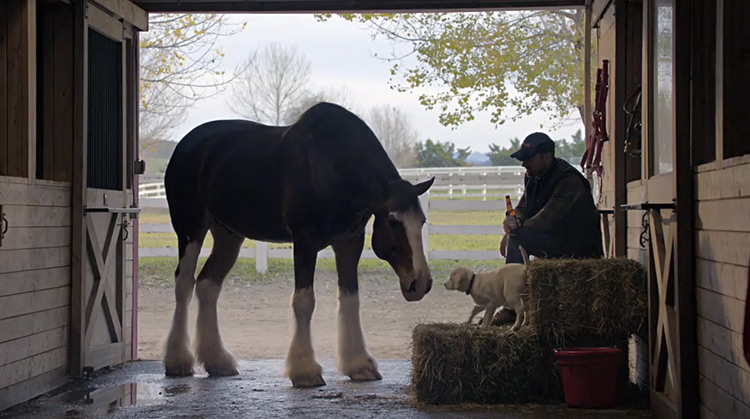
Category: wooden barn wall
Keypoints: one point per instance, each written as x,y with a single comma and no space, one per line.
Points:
35,285
722,202
722,260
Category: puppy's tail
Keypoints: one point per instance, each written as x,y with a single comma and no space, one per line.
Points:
524,254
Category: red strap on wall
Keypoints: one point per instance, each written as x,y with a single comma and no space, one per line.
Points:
592,157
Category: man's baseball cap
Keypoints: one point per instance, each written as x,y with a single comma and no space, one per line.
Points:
537,142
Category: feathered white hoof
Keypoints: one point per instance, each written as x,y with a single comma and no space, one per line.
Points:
308,381
304,372
179,362
362,368
220,363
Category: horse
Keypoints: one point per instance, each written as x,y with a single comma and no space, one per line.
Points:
314,183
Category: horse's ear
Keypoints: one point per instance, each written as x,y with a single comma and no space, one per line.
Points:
424,186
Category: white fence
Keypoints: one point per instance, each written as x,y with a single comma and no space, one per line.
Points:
468,182
450,182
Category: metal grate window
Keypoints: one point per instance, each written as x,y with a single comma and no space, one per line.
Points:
105,112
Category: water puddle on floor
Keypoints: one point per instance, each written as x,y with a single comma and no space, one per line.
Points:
89,401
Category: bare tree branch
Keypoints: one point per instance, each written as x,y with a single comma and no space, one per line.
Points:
180,65
395,132
274,80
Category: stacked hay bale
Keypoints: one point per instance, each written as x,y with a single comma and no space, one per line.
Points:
594,302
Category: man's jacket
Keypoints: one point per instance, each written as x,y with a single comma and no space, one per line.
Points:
560,204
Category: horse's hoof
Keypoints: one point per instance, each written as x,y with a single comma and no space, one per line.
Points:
366,374
216,371
180,365
315,380
179,371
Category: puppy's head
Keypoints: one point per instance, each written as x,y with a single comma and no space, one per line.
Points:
459,279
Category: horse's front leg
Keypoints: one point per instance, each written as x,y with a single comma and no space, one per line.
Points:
354,360
301,366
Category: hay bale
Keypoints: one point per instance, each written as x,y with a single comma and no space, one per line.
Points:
459,363
605,298
596,302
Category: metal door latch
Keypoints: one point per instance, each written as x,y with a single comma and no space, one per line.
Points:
125,232
139,167
3,225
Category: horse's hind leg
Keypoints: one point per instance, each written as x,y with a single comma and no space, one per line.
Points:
216,359
354,360
178,358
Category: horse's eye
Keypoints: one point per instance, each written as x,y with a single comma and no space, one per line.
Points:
394,222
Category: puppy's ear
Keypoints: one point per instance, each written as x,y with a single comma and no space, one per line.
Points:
464,278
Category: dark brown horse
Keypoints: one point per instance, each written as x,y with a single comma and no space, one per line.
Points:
315,183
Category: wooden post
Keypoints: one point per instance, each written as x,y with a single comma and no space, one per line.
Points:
78,251
587,28
261,256
684,264
3,88
620,93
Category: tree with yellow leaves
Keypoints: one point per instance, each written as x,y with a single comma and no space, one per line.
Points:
180,65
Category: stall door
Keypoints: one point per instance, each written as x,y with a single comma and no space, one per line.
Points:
100,316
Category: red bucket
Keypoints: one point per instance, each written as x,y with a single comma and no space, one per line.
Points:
589,376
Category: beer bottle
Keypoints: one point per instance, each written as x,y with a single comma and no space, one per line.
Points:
509,207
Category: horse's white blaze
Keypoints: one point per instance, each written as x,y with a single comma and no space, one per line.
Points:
413,221
209,347
352,348
177,348
300,361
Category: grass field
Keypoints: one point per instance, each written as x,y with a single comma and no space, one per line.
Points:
437,242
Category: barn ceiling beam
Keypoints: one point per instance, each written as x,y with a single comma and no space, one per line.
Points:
128,11
311,6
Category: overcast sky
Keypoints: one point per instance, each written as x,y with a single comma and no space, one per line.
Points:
341,56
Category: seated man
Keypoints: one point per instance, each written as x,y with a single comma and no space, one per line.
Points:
556,216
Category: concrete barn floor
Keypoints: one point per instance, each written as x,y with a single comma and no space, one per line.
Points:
140,390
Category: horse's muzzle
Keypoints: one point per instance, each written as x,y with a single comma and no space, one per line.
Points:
416,291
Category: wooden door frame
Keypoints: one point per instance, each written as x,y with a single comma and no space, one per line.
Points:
80,190
676,248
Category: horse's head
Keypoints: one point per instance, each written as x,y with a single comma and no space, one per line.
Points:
397,237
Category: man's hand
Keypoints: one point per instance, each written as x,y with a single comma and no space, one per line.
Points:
511,223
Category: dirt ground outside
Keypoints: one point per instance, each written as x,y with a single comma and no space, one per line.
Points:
256,320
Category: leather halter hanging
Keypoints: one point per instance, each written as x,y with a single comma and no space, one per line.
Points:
592,157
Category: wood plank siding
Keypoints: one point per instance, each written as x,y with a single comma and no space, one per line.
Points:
34,288
722,260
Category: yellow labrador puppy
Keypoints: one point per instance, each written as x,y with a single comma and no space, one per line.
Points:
491,290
